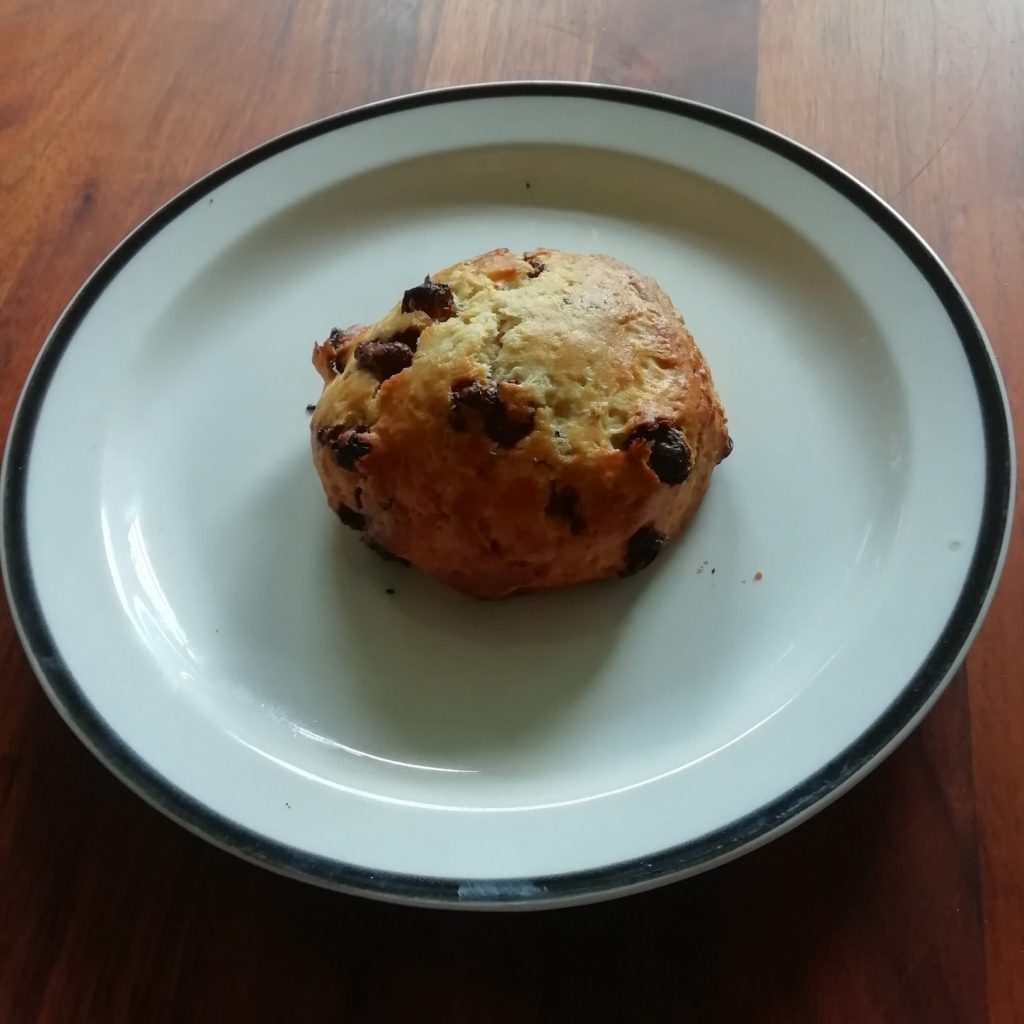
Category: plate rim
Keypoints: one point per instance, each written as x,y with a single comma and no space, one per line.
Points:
660,867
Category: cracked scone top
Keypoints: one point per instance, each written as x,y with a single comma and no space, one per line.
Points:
517,423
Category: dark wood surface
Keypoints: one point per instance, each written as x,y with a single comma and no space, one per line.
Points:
903,902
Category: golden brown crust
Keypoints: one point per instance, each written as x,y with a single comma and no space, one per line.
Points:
551,429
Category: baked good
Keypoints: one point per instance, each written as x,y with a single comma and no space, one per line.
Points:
519,422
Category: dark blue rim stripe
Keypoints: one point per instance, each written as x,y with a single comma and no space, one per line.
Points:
686,858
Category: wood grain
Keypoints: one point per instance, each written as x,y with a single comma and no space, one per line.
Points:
902,902
924,101
868,912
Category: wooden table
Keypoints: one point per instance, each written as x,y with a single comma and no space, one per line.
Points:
903,902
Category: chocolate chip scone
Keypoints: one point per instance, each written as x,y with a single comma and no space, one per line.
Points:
516,423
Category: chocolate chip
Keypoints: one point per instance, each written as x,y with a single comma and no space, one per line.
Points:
347,446
338,343
432,298
474,402
470,396
336,339
354,447
351,518
642,549
384,357
669,455
537,264
379,549
728,450
563,503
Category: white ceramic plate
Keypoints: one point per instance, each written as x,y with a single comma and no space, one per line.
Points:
204,624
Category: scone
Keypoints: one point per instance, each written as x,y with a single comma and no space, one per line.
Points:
519,422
